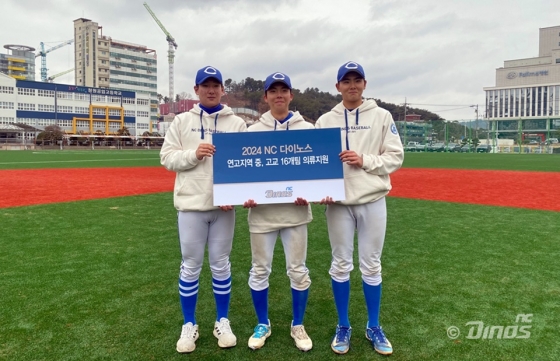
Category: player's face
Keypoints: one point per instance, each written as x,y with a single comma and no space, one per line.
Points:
278,97
351,88
209,92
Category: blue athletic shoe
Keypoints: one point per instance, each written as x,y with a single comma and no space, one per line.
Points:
341,340
261,333
379,341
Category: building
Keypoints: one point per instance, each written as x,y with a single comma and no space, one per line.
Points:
19,62
75,109
103,62
525,102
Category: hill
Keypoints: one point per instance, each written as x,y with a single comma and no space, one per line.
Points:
311,102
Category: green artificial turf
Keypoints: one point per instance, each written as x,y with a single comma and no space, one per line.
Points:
97,280
78,158
135,158
522,162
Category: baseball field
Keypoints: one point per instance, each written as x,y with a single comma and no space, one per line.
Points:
89,261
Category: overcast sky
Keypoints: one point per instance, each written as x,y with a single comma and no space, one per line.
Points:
436,54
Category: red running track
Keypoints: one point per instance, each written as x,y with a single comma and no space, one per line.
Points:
533,190
40,186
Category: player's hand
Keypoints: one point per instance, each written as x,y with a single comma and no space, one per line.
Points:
226,208
326,201
351,158
300,202
250,204
205,150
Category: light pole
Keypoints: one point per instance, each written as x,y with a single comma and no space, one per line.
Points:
475,106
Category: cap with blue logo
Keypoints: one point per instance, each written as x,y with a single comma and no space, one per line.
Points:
350,66
206,73
277,78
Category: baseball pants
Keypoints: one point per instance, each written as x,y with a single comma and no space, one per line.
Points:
200,229
294,241
370,222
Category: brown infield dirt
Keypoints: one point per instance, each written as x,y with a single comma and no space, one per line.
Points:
533,190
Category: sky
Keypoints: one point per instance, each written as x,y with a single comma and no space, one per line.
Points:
435,55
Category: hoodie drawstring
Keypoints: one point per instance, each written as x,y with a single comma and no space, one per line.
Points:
346,120
202,126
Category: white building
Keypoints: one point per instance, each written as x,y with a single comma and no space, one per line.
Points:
19,62
101,61
525,102
73,108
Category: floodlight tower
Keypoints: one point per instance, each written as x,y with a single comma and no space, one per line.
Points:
170,52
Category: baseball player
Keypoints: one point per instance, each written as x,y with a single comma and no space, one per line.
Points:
290,220
372,151
187,150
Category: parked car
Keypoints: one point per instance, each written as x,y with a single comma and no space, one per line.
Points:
421,147
484,148
436,147
465,148
452,147
411,147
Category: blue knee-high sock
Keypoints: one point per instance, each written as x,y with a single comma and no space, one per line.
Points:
260,301
222,295
373,303
341,293
299,304
188,295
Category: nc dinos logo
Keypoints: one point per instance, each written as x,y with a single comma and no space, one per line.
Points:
279,194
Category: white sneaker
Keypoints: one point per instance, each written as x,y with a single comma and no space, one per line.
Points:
303,342
261,333
222,331
189,335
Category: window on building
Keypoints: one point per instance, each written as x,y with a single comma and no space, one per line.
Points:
26,106
64,109
81,110
45,93
6,105
26,91
7,89
64,95
45,108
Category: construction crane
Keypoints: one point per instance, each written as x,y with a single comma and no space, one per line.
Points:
50,78
170,52
43,55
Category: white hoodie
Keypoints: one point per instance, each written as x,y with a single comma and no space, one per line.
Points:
373,135
266,218
193,189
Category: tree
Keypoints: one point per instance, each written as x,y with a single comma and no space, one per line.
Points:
227,85
159,98
183,95
51,133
